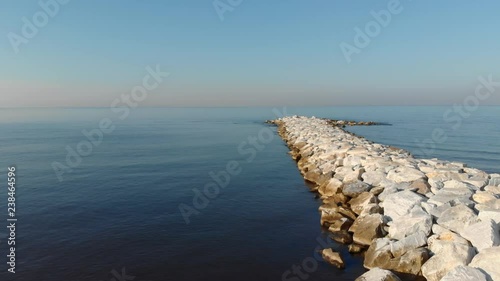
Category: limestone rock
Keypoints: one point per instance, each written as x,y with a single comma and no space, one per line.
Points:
417,220
405,174
488,261
367,228
359,203
482,235
457,218
490,214
377,274
333,258
354,189
408,243
373,177
465,273
331,187
400,203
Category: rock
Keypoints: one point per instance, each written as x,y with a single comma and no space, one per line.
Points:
354,189
370,209
341,224
417,220
447,256
482,235
377,274
377,190
421,186
342,236
330,217
333,258
489,214
457,218
458,184
408,243
495,190
356,248
494,180
487,261
354,175
378,254
331,187
400,203
359,203
367,228
465,273
373,177
412,261
483,197
449,195
405,174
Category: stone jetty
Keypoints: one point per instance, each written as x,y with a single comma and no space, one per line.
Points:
411,218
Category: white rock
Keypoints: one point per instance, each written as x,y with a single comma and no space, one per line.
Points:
416,220
373,178
405,174
457,218
410,242
482,235
465,273
488,261
377,274
485,215
400,203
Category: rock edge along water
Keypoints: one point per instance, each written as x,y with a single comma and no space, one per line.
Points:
414,217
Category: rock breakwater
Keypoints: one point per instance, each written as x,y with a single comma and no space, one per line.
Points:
417,218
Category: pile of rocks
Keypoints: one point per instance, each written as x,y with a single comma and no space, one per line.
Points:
414,217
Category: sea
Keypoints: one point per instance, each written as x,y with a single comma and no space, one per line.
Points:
191,193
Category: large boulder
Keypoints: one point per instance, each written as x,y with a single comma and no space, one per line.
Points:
331,187
488,261
417,220
355,188
490,214
408,243
405,174
457,218
378,274
465,273
367,228
447,256
400,203
373,178
361,202
482,235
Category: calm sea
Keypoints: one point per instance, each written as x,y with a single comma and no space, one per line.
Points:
116,214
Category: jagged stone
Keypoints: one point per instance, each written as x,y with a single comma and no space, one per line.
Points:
408,243
378,274
400,203
333,258
465,273
482,235
457,218
367,228
359,203
405,174
354,189
487,261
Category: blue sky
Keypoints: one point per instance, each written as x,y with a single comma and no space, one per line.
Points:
263,53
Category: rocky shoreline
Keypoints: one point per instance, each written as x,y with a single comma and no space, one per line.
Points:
414,219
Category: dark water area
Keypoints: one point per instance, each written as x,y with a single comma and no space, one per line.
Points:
119,208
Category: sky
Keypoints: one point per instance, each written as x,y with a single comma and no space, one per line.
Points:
247,52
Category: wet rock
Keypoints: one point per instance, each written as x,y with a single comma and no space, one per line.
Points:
342,236
356,248
339,225
333,258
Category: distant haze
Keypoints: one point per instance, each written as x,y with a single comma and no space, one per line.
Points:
257,53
